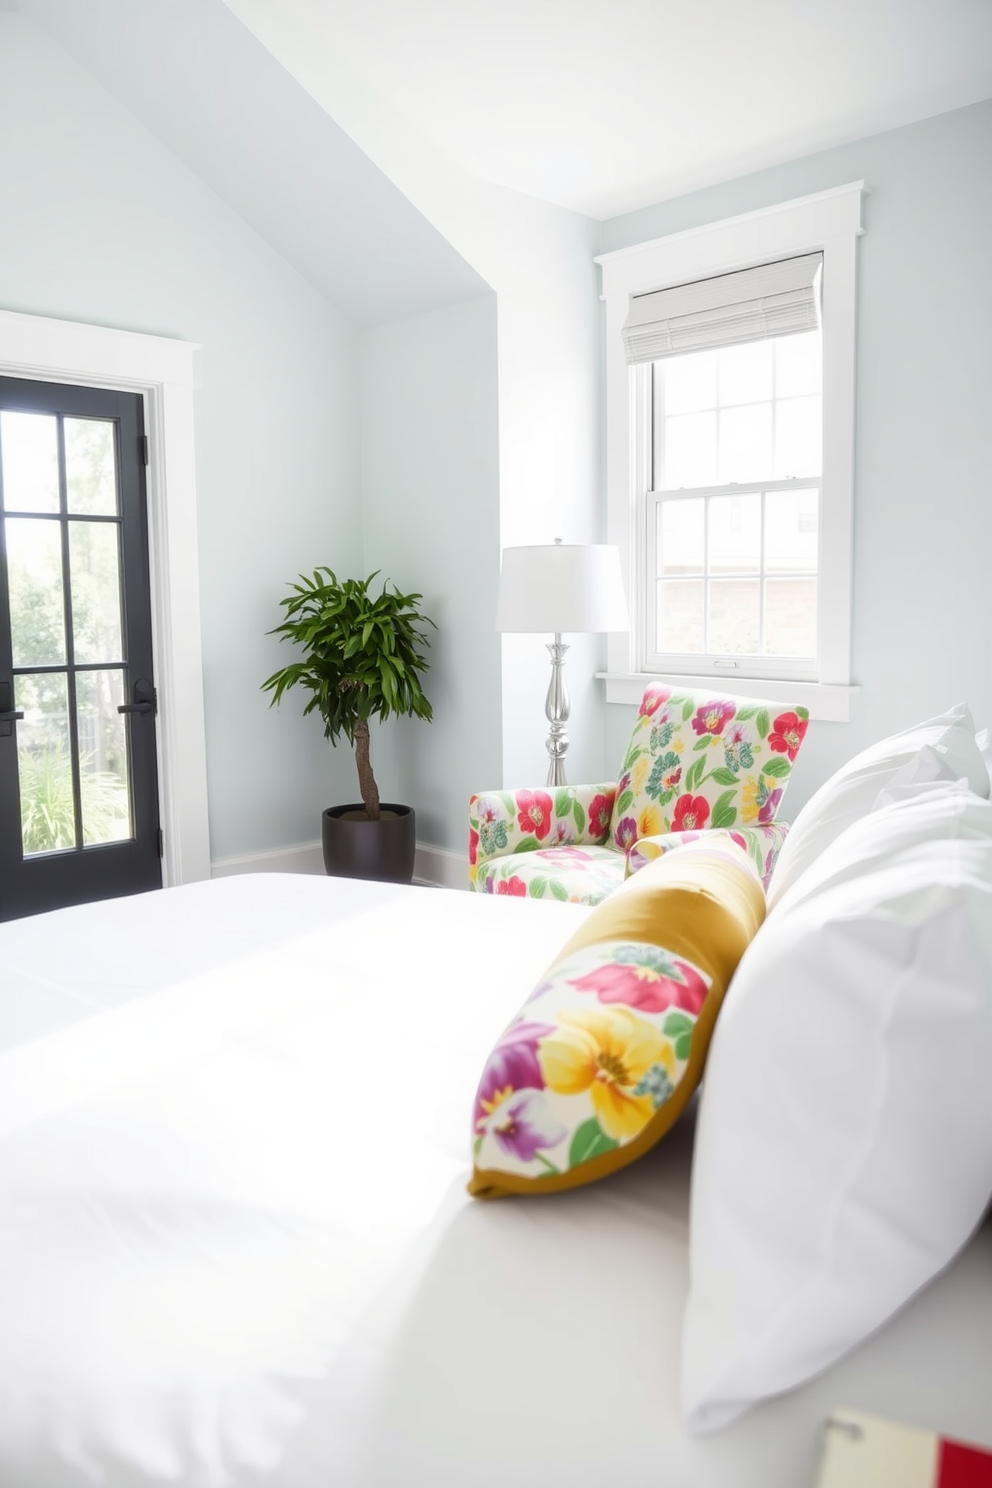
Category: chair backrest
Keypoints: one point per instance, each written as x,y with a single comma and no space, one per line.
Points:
696,759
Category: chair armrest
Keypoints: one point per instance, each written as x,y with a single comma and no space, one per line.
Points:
501,822
761,843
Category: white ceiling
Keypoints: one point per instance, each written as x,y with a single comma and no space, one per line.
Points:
608,105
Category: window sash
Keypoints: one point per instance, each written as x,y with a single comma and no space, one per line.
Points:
751,664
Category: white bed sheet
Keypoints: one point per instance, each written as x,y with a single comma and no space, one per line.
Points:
236,1248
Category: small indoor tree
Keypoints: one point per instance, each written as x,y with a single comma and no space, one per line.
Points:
361,660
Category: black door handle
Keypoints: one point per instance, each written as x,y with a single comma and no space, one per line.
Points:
10,717
144,697
136,708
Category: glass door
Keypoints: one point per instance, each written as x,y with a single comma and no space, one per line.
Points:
78,787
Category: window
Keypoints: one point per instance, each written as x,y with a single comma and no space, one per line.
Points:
730,452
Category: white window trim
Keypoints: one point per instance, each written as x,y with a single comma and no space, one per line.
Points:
829,221
161,370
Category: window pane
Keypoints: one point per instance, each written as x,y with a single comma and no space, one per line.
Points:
34,570
798,365
791,537
690,450
103,776
735,534
790,617
746,373
680,616
96,591
735,616
29,452
798,438
681,536
44,768
90,473
690,381
746,443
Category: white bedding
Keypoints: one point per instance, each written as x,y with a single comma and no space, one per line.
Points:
236,1248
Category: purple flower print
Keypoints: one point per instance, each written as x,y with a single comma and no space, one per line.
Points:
522,1124
512,1066
769,806
626,833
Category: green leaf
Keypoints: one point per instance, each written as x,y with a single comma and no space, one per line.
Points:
559,891
763,723
777,767
703,743
625,801
526,844
724,776
694,774
476,1147
537,887
675,1024
683,1045
688,708
509,804
589,1141
579,814
743,714
724,815
563,803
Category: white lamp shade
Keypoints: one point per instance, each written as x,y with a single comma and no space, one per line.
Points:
561,587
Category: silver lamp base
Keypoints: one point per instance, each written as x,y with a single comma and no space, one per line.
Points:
556,709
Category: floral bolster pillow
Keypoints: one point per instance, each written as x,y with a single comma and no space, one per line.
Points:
700,761
602,1058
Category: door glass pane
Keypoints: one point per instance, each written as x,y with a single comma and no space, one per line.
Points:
735,616
96,591
30,462
681,537
745,443
90,467
790,617
103,772
735,534
791,536
44,767
680,616
34,570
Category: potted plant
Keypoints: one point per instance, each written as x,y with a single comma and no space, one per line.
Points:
361,659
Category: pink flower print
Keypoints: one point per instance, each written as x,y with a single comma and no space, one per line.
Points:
560,834
739,838
514,886
600,811
652,700
626,833
690,812
788,732
512,1065
647,978
712,717
564,854
473,845
487,812
534,812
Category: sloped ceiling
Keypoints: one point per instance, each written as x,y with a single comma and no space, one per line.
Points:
201,82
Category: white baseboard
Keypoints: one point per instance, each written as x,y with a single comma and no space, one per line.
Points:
433,865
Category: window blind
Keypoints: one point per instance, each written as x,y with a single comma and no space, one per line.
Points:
776,299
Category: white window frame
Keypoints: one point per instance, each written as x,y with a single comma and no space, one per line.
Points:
827,222
160,369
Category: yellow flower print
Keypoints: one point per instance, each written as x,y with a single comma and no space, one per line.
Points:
608,1052
749,798
640,772
677,745
650,822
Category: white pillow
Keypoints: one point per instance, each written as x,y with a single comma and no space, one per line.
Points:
852,791
844,1149
984,742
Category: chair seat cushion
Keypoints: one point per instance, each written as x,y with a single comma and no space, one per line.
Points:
581,875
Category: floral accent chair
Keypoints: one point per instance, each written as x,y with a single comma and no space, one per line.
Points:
695,763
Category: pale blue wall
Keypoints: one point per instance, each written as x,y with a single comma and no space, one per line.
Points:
99,223
923,488
430,479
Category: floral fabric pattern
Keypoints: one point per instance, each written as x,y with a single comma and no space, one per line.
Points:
524,821
579,875
761,843
602,1044
697,762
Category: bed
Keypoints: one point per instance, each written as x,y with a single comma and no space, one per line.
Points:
236,1246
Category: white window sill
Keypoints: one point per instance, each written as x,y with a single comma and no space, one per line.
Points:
826,703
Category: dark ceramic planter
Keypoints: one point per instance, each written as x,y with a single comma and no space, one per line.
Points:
355,847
